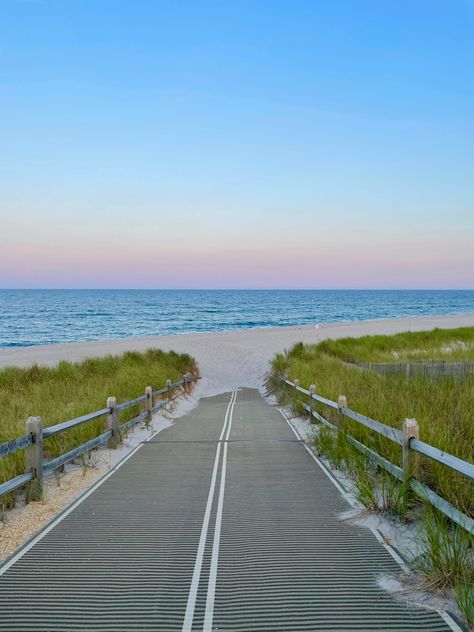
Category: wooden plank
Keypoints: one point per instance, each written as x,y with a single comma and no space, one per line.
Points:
323,400
315,396
49,466
67,425
387,465
453,462
12,446
34,459
442,505
387,431
160,391
132,422
14,483
319,417
132,402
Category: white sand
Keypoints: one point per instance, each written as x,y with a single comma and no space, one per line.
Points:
230,358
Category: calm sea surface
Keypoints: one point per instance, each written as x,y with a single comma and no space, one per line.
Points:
34,317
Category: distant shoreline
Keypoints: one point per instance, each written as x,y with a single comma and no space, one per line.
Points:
235,357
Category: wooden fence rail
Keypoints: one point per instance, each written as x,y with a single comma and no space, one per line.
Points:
411,445
32,441
425,368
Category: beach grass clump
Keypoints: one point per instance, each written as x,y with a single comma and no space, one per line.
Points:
372,487
438,344
447,556
464,594
70,390
442,408
446,559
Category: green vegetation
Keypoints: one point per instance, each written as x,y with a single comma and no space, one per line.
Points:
445,414
443,409
447,560
439,344
74,389
374,488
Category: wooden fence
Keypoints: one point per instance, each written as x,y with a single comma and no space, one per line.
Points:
429,368
410,444
32,441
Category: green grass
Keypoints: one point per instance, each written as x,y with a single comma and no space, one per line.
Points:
439,344
447,560
444,409
73,389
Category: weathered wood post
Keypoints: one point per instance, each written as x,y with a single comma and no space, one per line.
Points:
411,431
410,459
34,458
112,423
149,403
312,391
296,383
341,403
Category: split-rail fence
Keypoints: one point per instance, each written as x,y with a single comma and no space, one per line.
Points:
410,443
32,441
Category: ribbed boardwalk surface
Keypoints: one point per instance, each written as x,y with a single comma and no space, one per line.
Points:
170,543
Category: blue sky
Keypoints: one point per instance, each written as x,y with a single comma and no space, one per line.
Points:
267,144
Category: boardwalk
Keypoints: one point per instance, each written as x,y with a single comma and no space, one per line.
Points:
222,522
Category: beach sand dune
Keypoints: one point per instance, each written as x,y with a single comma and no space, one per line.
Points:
229,358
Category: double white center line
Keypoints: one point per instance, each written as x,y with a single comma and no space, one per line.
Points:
188,617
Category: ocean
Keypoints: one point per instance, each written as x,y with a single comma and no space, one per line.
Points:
38,317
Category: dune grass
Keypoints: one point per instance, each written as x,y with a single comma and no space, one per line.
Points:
438,344
73,389
443,408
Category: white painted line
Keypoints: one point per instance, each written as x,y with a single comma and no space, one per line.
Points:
193,590
211,588
405,568
315,458
450,621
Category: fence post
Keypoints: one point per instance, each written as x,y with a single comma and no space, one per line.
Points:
34,459
296,383
411,430
341,403
149,403
112,423
312,391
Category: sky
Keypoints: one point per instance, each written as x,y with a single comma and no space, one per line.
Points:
246,144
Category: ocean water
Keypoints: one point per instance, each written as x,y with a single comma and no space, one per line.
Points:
34,317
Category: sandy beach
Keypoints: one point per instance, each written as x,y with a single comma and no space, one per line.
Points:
229,358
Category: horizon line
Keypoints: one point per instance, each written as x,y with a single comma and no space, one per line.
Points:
233,289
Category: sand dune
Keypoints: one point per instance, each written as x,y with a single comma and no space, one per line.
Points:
229,358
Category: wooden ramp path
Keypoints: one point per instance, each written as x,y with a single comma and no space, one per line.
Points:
222,522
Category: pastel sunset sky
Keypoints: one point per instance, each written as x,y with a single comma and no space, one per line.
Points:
266,144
